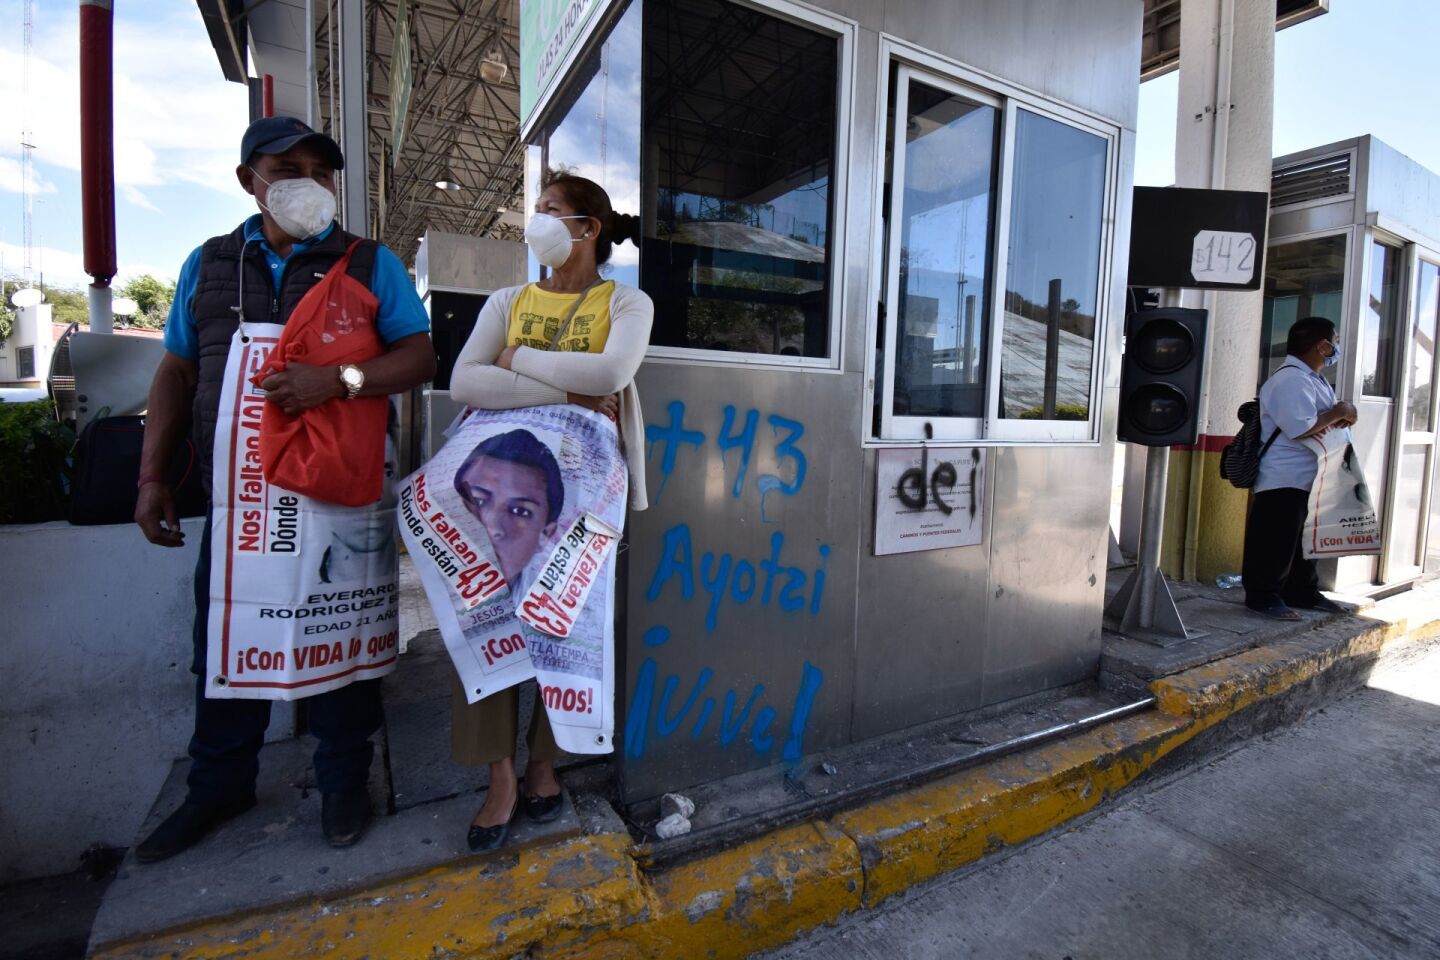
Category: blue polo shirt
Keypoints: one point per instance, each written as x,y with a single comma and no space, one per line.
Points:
1292,400
400,313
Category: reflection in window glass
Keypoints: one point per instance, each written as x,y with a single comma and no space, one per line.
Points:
1052,282
945,253
1302,279
597,132
740,116
1422,365
1382,316
1404,543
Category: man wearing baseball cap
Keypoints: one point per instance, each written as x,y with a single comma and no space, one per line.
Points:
260,272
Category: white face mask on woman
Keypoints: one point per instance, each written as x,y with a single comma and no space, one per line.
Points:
550,240
301,207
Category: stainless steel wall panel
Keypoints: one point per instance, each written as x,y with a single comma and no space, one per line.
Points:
1324,216
1047,568
1085,54
724,679
920,628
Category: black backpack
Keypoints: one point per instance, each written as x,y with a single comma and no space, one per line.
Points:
1240,460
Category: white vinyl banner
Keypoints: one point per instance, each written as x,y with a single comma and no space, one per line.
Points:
1342,519
513,526
303,594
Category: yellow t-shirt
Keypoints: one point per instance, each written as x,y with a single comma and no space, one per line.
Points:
537,314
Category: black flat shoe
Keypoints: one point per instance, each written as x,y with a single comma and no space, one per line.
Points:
486,839
187,826
543,809
344,815
1278,612
1324,605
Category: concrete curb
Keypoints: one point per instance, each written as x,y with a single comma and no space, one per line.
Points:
588,898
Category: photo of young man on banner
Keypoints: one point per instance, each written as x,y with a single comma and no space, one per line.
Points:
513,526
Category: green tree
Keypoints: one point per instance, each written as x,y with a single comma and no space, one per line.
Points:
153,297
68,305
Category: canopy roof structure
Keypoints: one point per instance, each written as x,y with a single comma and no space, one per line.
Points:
454,124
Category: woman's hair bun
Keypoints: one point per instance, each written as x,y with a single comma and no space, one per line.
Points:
624,226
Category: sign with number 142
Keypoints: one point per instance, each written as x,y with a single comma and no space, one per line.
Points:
1219,256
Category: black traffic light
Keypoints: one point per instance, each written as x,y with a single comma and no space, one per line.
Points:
1161,375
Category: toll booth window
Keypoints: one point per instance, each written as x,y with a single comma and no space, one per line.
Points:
994,226
1382,320
945,160
596,133
1423,331
1302,279
740,140
1052,279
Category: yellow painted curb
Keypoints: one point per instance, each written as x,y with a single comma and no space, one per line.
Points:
494,909
938,827
1208,694
738,901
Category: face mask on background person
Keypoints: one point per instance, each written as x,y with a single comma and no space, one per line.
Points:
301,207
1334,357
550,240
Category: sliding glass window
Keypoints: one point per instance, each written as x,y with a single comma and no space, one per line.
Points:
970,174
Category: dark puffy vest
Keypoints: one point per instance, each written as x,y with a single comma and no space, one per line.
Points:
216,308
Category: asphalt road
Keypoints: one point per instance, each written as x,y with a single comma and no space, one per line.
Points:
1318,841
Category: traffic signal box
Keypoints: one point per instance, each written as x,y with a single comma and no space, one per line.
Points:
1160,377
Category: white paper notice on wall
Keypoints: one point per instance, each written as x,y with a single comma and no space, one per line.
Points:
929,498
1220,256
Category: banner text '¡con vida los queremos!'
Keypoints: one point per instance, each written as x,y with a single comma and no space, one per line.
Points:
477,580
312,656
264,528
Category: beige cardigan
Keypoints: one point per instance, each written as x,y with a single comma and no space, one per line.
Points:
539,377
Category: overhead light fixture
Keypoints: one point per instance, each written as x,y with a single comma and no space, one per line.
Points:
493,68
447,182
502,209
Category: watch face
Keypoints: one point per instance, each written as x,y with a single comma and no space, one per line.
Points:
352,377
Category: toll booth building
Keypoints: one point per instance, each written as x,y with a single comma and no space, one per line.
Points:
882,241
1355,238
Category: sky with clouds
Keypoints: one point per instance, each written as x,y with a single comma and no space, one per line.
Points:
177,132
1366,67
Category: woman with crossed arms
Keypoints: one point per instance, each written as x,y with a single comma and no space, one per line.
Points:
522,353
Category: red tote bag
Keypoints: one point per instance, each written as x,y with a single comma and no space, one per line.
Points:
334,452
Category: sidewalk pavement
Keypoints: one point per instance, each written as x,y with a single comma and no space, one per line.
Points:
1321,840
601,889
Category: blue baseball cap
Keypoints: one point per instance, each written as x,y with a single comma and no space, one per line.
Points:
277,134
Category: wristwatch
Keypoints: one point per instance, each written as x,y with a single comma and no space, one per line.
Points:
353,378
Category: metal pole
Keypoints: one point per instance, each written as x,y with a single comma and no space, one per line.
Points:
1052,349
354,130
1143,607
1152,528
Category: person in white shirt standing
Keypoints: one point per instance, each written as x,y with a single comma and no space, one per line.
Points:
1295,403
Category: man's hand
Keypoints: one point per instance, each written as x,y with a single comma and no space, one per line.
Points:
156,515
608,405
302,386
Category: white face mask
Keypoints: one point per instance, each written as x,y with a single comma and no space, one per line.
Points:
550,240
301,207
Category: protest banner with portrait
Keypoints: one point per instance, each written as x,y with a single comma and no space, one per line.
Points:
1342,520
304,595
513,527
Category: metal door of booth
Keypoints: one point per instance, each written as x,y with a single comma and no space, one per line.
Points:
1414,424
